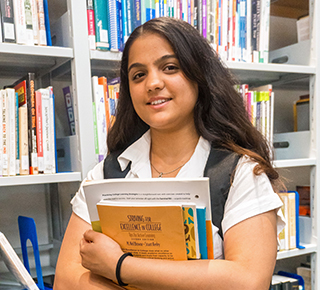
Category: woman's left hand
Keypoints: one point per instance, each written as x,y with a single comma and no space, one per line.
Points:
100,254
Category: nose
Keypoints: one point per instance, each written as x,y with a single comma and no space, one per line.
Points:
154,81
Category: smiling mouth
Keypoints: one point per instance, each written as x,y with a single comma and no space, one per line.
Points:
158,102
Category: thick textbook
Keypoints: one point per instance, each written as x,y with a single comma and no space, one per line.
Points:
15,265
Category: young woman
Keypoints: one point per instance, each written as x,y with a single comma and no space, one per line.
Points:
177,102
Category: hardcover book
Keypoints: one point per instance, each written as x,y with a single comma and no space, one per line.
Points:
7,21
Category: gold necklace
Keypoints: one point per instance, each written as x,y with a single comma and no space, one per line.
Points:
164,173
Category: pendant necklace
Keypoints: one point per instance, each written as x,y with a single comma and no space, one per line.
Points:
165,173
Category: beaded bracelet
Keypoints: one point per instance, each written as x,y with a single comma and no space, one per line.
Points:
119,266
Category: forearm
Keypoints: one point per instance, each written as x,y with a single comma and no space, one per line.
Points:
202,274
76,277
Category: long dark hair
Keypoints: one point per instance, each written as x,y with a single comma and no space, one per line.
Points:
219,114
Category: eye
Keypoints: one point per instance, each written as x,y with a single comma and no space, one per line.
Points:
171,68
138,75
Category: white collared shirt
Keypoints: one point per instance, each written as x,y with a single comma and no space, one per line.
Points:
249,194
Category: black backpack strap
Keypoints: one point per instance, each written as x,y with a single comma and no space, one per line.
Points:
111,166
220,168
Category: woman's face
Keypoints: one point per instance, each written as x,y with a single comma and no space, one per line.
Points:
161,94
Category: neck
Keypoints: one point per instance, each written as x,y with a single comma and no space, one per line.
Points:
170,150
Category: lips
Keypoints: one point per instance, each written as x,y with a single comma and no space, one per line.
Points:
158,101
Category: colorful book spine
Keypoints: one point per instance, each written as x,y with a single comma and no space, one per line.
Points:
113,25
243,29
150,11
101,12
33,153
91,26
195,14
129,16
39,131
124,11
191,231
202,232
17,131
210,248
47,22
1,133
119,25
143,11
204,18
249,32
103,81
7,21
52,130
41,24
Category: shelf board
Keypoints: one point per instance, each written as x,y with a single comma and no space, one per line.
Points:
256,74
31,58
105,55
294,162
40,179
309,249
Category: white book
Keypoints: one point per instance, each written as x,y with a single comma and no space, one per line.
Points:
15,265
35,22
20,21
29,21
284,234
11,99
98,96
5,139
266,32
52,128
47,154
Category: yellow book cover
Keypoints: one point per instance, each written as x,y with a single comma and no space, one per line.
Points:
147,231
292,219
284,234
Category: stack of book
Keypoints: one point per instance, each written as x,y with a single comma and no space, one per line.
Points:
160,218
25,22
259,103
237,29
28,131
105,97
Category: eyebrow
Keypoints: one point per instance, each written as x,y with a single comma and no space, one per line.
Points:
157,61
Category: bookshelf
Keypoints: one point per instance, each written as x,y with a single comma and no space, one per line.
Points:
76,64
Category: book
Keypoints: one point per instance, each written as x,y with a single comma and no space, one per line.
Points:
52,130
7,21
154,231
17,132
114,32
91,25
202,232
139,191
42,40
39,129
67,93
5,146
103,81
15,265
35,21
47,22
11,131
1,136
102,24
20,21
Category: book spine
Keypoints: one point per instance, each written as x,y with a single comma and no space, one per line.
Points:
243,17
35,23
225,19
5,113
144,5
33,154
39,131
52,130
204,18
200,16
91,26
113,25
47,153
284,234
102,24
103,81
266,32
41,24
124,10
1,133
23,125
189,230
129,16
195,14
202,232
7,21
20,21
254,28
230,29
209,240
119,24
292,220
249,31
29,22
69,108
17,134
47,22
12,131
219,26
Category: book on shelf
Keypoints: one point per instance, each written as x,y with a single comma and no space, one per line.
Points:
103,81
102,24
47,22
7,21
68,99
42,34
1,133
138,195
11,129
14,264
91,25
